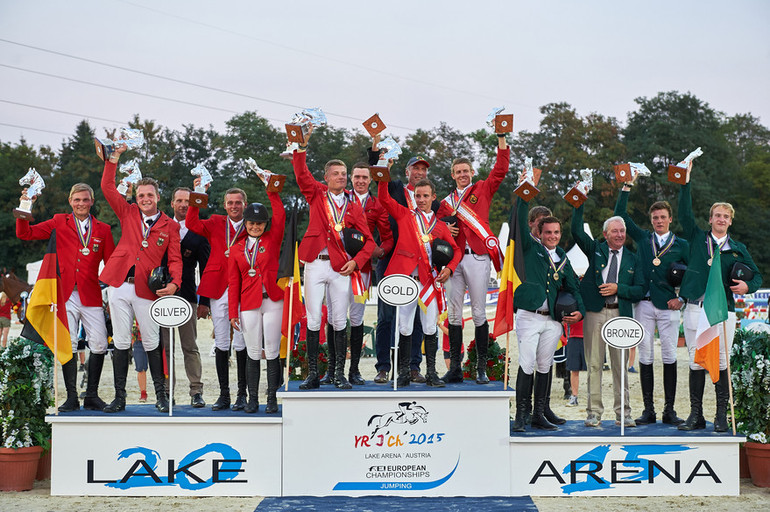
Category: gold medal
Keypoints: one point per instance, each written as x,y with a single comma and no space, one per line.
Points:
709,261
338,227
656,261
145,244
426,238
555,276
252,272
85,251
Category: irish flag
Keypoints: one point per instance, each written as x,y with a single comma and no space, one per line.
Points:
46,319
714,312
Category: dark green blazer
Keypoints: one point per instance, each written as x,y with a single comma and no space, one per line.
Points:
541,281
655,277
696,277
630,282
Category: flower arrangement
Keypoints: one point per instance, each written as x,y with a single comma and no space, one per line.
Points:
495,361
26,391
750,371
298,361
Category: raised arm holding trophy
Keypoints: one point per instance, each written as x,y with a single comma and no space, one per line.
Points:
131,138
198,197
35,186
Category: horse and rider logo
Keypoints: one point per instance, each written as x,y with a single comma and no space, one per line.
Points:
407,413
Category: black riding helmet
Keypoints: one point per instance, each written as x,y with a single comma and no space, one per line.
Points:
158,278
442,253
256,212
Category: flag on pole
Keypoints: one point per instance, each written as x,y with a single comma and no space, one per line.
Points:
46,311
292,294
286,260
713,313
510,278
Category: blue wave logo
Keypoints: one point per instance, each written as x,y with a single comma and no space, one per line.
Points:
145,471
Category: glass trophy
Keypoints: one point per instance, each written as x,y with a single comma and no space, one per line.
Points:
578,194
528,180
198,197
680,173
132,174
389,148
35,186
299,126
273,182
130,137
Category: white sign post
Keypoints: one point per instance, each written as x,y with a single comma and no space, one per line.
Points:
171,311
397,290
622,333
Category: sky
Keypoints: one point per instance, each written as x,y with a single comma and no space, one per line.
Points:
416,63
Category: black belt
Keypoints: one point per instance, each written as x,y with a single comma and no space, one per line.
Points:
544,313
612,306
324,257
469,251
646,298
130,279
698,303
265,295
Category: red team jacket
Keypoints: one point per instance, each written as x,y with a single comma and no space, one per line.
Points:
75,268
407,252
319,230
376,218
214,279
163,238
479,199
246,289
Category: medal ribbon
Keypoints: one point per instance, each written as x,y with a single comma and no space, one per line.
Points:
145,230
481,228
85,240
409,196
556,269
251,255
454,199
336,215
710,242
229,241
431,290
664,249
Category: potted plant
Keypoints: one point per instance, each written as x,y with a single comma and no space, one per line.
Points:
750,368
26,383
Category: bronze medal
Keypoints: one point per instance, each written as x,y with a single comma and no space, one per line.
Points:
338,227
85,251
145,244
656,261
252,272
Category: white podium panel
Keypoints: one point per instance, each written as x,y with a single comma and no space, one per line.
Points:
671,465
399,443
116,455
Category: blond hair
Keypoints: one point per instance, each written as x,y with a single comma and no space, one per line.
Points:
81,187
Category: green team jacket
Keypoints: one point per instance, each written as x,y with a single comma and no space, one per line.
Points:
655,277
630,282
541,282
696,277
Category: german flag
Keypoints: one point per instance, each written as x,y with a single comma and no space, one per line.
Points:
291,295
46,317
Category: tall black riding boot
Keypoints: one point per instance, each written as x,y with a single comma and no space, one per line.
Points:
328,378
541,391
340,353
69,371
223,375
273,383
523,400
155,362
312,382
240,362
431,346
404,355
547,412
356,346
647,379
482,345
695,420
669,390
120,374
455,373
253,368
92,402
723,398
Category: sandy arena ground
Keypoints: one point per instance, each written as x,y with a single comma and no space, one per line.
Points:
39,499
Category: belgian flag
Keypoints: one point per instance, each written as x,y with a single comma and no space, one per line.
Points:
511,277
46,317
